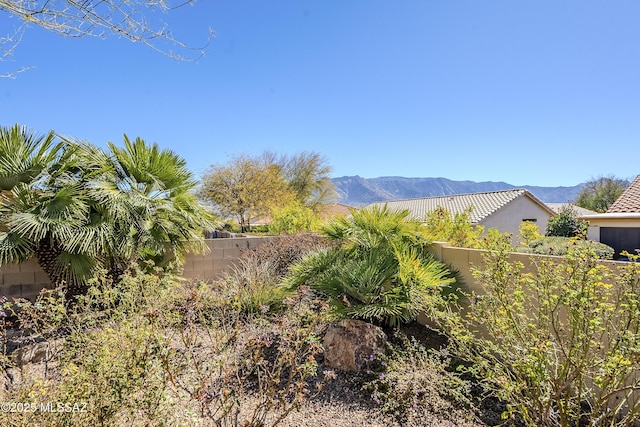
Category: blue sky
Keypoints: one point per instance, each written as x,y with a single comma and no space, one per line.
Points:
531,93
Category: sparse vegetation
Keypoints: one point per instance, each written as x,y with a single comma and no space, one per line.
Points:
558,345
562,245
149,350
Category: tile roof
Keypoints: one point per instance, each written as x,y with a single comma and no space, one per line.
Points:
557,207
334,209
484,204
629,200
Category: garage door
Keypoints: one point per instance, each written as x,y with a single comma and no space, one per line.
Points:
620,239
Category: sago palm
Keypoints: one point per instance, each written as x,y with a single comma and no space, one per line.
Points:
381,271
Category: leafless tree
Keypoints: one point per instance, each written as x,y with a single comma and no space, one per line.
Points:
136,20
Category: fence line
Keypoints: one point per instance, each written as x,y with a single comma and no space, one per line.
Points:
27,279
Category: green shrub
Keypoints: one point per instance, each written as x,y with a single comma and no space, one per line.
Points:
559,344
567,224
561,246
442,225
528,232
293,218
253,286
381,271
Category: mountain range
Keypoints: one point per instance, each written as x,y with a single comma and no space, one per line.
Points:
358,191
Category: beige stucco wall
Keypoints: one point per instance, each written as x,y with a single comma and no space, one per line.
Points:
509,218
593,231
26,280
463,260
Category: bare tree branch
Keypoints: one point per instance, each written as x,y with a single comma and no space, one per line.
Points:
136,20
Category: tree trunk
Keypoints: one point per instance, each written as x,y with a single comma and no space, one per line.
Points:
47,253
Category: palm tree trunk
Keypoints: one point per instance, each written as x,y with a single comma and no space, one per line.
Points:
47,253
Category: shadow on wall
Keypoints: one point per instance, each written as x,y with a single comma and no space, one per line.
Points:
27,279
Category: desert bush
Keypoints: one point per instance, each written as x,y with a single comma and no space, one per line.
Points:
381,272
293,218
253,283
457,229
528,232
559,344
283,251
410,379
561,246
151,350
269,361
566,224
253,286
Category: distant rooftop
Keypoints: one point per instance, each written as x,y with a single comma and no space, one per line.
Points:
629,200
484,204
557,207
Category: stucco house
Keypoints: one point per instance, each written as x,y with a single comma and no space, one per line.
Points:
504,210
619,227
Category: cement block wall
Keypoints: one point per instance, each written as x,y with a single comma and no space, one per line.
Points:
223,253
26,280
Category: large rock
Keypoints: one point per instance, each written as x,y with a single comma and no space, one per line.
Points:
349,344
39,352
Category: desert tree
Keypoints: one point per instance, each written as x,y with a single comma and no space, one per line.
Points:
136,20
600,193
244,188
307,173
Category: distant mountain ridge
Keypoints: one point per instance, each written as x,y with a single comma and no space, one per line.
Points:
358,191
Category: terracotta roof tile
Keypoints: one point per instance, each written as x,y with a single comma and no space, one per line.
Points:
629,200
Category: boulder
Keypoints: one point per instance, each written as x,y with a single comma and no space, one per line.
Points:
39,352
349,344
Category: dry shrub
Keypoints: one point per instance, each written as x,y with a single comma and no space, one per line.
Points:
283,251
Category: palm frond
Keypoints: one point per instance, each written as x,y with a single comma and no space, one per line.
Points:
24,155
14,248
75,268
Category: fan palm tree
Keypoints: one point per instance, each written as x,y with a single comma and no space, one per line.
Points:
24,155
88,209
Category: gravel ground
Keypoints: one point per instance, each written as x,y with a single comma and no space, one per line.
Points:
341,405
347,408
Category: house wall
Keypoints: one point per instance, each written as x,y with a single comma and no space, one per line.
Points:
509,218
593,231
622,240
26,280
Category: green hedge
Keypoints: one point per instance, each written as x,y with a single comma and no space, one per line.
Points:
560,246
